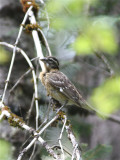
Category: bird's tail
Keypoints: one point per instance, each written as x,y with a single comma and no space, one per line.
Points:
90,108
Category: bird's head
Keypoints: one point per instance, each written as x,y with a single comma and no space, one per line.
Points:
50,63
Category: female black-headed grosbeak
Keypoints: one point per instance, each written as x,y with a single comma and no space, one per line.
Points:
59,87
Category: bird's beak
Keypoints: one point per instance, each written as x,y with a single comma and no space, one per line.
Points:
43,59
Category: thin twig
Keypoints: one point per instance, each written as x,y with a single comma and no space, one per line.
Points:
48,124
46,15
105,61
30,109
45,40
14,53
114,118
22,24
18,81
8,76
48,20
38,134
33,151
36,40
60,137
15,120
72,139
33,73
46,117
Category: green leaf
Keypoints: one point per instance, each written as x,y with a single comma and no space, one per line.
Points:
5,150
98,152
4,56
83,45
83,146
107,97
70,6
66,14
98,37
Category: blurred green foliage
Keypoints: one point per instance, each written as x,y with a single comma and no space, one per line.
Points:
67,14
93,33
5,150
96,37
107,97
97,153
73,7
4,56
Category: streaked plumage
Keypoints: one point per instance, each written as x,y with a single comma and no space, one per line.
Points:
59,87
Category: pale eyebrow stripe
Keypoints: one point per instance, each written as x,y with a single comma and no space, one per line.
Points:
54,61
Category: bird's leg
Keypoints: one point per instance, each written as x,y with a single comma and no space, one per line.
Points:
54,103
62,106
51,101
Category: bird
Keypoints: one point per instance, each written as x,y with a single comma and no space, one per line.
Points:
59,87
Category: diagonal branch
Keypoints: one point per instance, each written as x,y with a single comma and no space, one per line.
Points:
105,61
14,53
45,40
76,152
16,121
33,73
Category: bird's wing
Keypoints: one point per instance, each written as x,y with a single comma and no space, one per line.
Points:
65,86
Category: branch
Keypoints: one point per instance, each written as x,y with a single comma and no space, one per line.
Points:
76,152
14,53
49,149
60,137
45,40
16,121
33,73
105,61
18,81
36,40
114,118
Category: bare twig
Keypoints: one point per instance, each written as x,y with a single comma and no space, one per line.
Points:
8,76
46,117
33,73
105,61
38,134
114,118
48,20
22,24
16,121
46,15
72,139
14,53
30,109
36,40
18,81
60,137
48,124
33,151
45,40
